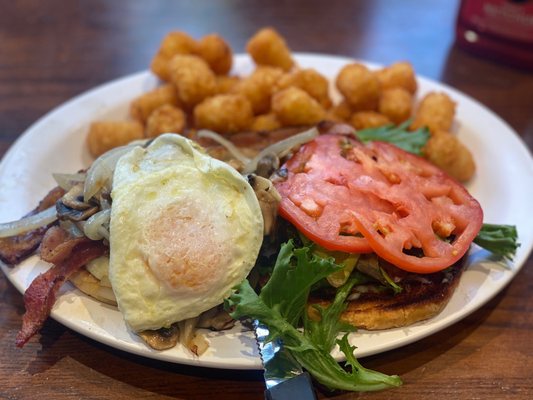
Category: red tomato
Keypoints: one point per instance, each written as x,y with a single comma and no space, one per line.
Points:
352,197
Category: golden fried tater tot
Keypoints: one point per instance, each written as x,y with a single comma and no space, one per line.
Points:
340,112
267,47
265,122
142,106
216,52
167,118
310,81
396,104
400,74
368,119
224,113
105,135
436,111
259,87
295,107
193,79
226,84
359,86
174,43
448,153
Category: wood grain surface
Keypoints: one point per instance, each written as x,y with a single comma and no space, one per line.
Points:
51,51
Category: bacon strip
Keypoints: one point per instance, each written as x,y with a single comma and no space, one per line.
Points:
40,296
57,245
14,249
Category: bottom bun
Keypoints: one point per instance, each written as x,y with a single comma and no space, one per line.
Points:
422,297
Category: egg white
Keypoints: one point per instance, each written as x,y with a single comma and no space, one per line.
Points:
185,228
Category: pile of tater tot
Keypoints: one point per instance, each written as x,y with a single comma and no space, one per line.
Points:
197,92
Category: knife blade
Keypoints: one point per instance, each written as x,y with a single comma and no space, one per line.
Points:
284,377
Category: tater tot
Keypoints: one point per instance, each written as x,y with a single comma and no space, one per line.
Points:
400,74
340,112
193,79
310,81
359,86
259,87
295,107
396,104
368,119
436,111
226,84
167,118
142,106
105,135
174,43
447,152
224,113
265,122
216,52
267,47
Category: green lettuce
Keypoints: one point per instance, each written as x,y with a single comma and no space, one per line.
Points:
281,306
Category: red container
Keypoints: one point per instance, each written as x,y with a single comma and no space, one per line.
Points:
499,29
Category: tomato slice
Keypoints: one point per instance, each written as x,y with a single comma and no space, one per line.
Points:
315,196
354,197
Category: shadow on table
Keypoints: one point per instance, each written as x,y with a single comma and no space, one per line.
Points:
90,358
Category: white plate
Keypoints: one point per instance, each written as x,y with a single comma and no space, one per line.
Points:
56,143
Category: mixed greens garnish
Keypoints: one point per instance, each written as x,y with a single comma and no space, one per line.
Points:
295,272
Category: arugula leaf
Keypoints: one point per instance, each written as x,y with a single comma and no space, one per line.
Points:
411,141
501,240
296,270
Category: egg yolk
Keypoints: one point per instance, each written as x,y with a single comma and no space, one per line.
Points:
185,246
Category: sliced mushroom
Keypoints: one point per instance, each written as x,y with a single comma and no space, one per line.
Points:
216,319
66,213
267,165
72,207
74,198
269,199
161,339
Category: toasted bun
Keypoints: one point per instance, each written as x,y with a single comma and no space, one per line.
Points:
91,286
422,297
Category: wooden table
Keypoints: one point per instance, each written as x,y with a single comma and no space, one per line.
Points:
51,51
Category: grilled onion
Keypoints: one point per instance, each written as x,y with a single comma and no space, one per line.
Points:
100,174
234,151
28,223
97,226
281,148
68,181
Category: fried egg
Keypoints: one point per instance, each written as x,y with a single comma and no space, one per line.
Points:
185,228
